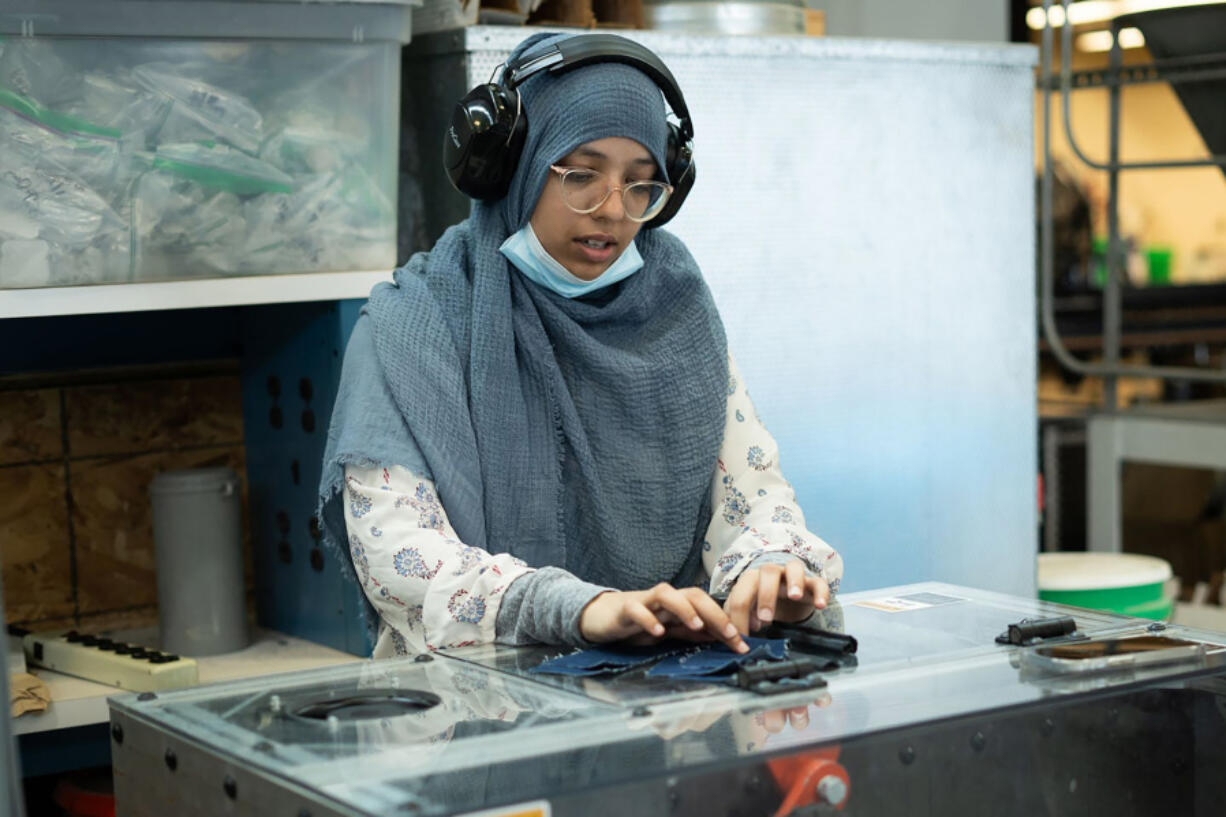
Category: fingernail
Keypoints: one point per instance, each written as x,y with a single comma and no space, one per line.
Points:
765,615
658,629
742,647
794,592
696,623
730,630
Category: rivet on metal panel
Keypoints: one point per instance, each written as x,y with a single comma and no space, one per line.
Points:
144,696
424,658
305,390
317,560
117,732
230,787
313,528
907,755
1047,727
172,762
263,746
978,741
275,418
284,552
283,522
308,421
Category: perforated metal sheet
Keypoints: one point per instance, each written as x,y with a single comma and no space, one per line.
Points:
864,215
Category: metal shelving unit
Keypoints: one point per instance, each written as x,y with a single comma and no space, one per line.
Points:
1194,436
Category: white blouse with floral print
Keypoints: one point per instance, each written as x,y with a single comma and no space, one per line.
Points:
432,591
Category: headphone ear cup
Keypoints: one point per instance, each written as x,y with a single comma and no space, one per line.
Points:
681,174
483,141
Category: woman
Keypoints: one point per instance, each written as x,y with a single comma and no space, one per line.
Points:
540,434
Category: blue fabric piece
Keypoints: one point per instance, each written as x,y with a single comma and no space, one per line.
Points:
717,661
678,660
608,660
525,251
580,433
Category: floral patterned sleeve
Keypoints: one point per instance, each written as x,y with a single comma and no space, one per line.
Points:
755,517
431,591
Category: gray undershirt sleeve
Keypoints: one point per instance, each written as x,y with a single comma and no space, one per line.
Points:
781,559
543,607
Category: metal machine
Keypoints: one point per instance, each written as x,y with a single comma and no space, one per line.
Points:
934,717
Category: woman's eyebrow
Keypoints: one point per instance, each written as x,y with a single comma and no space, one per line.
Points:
591,153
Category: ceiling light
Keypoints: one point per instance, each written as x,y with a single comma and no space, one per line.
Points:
1101,40
1100,11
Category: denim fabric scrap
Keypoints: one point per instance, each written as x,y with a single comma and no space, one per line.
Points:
608,660
715,662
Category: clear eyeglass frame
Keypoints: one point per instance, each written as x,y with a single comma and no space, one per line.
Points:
651,212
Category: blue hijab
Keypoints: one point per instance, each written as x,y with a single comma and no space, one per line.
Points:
581,433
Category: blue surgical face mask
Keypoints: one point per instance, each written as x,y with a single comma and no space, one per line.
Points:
524,250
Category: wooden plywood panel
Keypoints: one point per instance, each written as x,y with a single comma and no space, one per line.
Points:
34,543
128,418
30,426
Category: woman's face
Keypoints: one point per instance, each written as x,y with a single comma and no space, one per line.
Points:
588,243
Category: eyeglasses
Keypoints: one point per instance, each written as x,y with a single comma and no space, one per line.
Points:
584,191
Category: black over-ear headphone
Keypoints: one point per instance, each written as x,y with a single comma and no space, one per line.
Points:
486,137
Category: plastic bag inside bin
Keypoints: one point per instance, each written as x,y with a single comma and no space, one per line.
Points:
200,110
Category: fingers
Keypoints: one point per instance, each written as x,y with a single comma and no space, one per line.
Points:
773,720
794,578
635,613
718,624
799,717
741,599
819,590
675,602
768,592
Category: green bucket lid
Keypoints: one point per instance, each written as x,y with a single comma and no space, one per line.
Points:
1125,583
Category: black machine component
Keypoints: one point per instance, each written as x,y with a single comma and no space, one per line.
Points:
1033,630
813,639
773,677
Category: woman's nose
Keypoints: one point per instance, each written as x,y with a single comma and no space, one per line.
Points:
613,208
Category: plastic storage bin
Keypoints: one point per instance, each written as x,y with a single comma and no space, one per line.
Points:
155,158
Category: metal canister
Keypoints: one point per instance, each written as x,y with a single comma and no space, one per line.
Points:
197,535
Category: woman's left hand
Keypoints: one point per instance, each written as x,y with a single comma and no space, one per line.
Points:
775,593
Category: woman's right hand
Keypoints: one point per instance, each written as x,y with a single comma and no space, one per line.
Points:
662,612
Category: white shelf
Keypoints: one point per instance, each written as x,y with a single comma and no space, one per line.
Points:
190,294
76,702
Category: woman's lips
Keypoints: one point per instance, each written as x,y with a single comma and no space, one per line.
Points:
596,255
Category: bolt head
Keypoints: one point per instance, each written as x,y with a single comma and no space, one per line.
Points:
831,789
